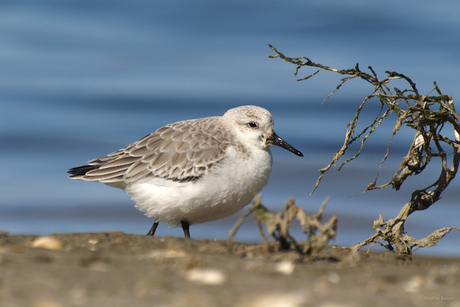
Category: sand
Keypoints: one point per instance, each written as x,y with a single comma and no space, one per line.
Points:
118,269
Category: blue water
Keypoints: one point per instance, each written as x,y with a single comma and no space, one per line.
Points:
80,79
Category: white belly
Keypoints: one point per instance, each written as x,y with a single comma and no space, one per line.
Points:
229,186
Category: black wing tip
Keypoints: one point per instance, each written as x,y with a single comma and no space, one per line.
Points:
80,170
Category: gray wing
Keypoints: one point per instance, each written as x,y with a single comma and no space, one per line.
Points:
181,151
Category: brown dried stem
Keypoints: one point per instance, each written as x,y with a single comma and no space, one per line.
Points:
427,115
277,225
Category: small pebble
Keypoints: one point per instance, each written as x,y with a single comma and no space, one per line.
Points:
414,284
285,267
277,300
93,241
206,276
47,242
334,278
167,254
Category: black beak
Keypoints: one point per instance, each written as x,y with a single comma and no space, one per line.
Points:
276,140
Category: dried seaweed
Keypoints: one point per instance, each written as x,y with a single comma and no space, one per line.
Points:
427,116
277,226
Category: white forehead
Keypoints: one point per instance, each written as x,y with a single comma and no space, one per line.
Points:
248,113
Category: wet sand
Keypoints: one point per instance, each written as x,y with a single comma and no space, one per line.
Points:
118,269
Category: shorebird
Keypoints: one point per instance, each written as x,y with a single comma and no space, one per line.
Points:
193,171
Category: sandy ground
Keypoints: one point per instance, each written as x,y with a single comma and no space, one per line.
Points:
118,269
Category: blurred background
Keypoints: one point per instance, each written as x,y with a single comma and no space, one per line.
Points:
80,79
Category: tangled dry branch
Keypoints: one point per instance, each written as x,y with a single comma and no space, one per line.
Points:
277,225
427,116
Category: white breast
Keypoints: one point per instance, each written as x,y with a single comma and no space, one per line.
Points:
225,189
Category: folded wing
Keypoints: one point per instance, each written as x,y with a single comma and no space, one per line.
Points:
181,152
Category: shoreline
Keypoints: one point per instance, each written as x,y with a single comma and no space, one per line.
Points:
117,269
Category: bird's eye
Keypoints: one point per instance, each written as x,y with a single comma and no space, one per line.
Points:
252,125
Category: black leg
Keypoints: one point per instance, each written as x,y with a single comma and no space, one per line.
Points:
186,227
152,230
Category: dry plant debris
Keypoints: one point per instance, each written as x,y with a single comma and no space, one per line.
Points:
277,226
427,116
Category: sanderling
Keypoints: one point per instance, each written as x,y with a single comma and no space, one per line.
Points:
193,171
